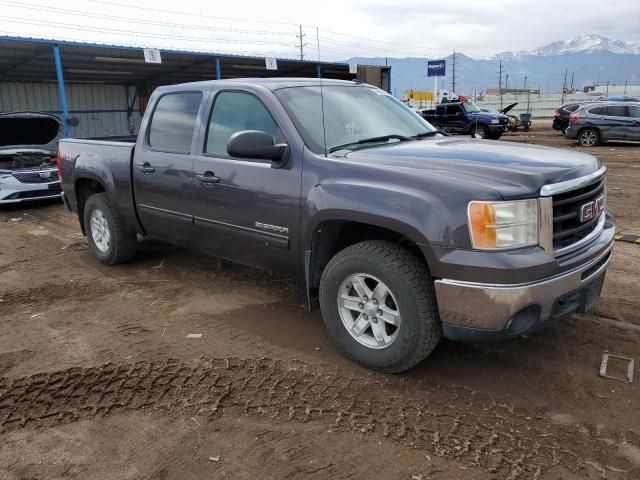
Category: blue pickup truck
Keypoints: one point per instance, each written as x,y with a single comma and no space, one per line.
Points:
467,118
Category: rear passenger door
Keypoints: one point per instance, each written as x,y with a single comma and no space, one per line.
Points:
455,118
245,210
633,133
618,122
163,166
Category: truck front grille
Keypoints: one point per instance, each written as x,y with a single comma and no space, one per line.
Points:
568,227
43,176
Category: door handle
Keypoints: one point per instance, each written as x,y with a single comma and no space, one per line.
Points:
208,178
146,168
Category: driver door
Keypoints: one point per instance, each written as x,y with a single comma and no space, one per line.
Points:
244,209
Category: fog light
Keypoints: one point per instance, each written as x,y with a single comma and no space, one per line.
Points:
524,320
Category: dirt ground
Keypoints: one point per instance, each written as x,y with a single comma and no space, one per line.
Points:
98,378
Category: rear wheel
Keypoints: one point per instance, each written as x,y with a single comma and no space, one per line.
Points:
495,136
589,137
110,241
378,303
479,131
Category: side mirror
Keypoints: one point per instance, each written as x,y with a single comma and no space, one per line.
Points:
257,144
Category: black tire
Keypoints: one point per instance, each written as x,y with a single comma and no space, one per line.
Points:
588,137
480,129
495,136
122,241
408,278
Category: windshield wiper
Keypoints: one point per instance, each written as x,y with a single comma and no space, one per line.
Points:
382,138
431,133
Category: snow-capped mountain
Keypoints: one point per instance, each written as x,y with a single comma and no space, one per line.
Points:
587,59
588,43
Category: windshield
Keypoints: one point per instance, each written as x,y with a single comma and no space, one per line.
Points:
470,107
353,113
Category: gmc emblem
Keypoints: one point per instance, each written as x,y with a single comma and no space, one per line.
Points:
592,209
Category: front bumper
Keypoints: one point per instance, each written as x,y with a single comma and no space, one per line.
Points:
13,190
496,128
488,312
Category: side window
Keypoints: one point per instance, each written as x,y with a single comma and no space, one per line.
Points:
453,109
617,111
634,111
597,111
173,122
439,110
233,112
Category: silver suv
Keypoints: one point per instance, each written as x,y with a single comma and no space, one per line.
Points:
595,123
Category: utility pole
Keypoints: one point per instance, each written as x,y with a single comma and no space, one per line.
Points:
564,86
453,74
300,44
607,88
572,73
506,83
524,85
625,87
500,82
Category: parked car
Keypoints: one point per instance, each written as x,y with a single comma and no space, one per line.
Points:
468,119
597,123
515,122
401,235
28,145
561,116
623,98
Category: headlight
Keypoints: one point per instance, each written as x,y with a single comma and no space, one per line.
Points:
495,120
503,225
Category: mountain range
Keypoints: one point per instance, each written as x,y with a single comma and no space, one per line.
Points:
588,59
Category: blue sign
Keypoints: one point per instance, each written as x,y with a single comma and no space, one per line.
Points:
436,68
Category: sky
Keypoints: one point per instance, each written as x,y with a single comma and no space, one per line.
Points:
345,28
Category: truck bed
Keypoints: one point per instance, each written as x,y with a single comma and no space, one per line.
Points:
112,157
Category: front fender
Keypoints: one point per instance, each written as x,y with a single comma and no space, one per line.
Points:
416,214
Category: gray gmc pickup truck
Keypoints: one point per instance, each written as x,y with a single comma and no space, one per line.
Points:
401,234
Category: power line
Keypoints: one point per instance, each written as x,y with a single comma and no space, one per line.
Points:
102,16
176,12
140,34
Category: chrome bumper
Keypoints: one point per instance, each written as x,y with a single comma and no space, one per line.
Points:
493,307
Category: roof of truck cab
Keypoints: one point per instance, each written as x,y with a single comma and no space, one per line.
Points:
270,83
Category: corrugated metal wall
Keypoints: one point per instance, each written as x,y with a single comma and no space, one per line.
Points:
101,109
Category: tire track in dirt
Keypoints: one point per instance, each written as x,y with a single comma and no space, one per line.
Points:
448,421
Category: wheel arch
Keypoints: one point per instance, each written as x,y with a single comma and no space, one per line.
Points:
331,235
84,187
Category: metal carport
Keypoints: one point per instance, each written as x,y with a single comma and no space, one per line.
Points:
94,82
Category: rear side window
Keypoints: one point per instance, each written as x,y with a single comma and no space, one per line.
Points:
598,111
234,112
173,122
634,111
617,111
453,109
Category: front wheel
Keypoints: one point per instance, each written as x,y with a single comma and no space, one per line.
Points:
378,304
479,131
110,241
589,137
